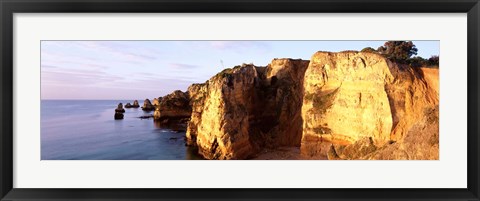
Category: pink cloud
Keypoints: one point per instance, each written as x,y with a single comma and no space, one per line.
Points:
239,46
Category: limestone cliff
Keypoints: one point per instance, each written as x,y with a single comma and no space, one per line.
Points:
420,142
347,105
198,93
351,96
175,105
411,92
345,100
278,118
242,110
223,127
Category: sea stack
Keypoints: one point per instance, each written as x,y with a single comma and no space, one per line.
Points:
128,105
119,112
147,105
135,104
118,115
120,108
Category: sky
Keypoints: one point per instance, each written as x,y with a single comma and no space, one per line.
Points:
129,70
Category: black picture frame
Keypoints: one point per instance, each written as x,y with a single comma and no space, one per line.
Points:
9,7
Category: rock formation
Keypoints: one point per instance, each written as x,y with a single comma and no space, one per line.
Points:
155,102
279,101
241,110
120,108
147,105
415,135
119,112
135,104
350,97
173,111
197,93
128,105
224,130
173,106
118,115
347,105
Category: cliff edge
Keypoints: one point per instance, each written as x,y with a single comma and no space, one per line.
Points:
346,105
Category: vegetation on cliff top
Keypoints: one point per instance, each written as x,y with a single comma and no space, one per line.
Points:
402,52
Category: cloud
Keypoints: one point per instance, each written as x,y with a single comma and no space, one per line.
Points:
122,50
76,64
121,92
183,66
120,89
89,65
75,77
129,69
240,46
142,76
61,60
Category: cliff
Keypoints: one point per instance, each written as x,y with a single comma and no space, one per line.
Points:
175,105
223,127
279,103
198,93
346,105
351,96
414,99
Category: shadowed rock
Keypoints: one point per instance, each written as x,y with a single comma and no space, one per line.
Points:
120,108
118,115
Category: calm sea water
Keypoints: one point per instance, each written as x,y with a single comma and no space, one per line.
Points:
86,130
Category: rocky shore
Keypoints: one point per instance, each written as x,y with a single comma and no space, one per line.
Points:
346,105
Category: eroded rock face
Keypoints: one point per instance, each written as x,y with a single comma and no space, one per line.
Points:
156,101
223,132
278,103
198,93
410,92
243,110
147,105
345,100
420,142
173,106
351,96
135,104
346,105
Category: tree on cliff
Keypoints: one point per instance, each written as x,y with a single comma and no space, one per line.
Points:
417,62
434,60
398,51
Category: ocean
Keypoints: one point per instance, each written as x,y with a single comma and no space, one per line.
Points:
86,130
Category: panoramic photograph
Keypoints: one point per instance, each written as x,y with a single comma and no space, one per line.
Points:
240,100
